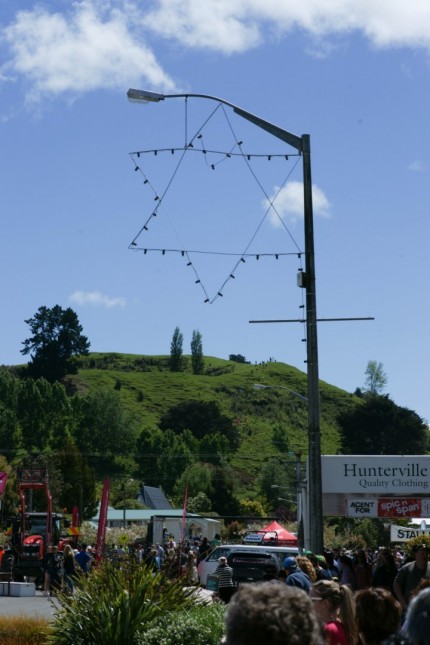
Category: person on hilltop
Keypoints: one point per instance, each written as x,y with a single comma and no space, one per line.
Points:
409,575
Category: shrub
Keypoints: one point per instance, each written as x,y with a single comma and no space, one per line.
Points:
114,603
202,625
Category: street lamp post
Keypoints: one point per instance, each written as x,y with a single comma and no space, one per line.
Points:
302,145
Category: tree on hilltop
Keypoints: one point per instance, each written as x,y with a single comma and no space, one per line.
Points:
56,339
197,361
176,351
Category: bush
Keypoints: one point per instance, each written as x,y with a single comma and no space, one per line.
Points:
114,603
203,625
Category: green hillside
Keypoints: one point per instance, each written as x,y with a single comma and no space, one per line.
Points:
148,389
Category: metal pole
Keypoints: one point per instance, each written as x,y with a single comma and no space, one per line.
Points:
314,430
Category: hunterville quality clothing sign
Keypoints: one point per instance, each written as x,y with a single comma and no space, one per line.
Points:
374,474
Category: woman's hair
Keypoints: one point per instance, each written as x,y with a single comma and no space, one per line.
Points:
418,618
68,550
378,614
306,565
341,598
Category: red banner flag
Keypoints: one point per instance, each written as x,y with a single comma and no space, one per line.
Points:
101,533
3,480
184,514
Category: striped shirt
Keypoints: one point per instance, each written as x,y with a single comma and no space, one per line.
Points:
225,575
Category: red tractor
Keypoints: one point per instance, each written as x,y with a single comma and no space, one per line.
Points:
33,532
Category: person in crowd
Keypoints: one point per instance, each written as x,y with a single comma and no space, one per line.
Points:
83,559
385,570
271,614
423,584
346,572
225,580
418,618
204,549
409,575
334,606
191,573
216,541
46,568
331,564
306,565
378,615
69,567
362,570
295,576
320,566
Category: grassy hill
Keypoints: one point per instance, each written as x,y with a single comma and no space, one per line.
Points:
148,389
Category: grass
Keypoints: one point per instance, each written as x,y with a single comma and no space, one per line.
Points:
21,630
148,389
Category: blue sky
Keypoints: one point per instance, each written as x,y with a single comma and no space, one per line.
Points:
354,76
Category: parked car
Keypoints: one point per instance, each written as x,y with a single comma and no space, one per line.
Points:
208,565
253,566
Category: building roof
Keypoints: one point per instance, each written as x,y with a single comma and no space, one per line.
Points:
145,514
153,497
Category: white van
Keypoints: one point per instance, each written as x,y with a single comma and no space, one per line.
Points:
210,563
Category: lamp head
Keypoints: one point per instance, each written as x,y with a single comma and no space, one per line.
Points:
143,96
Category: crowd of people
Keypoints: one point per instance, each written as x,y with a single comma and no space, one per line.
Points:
338,598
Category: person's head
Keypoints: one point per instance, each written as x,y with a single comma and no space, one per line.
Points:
418,618
271,614
333,600
421,552
68,550
290,564
222,561
305,564
378,614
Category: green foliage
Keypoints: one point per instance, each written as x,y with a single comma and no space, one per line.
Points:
176,346
197,361
354,533
376,379
411,544
203,625
237,358
202,418
112,605
380,427
199,504
104,428
56,338
163,456
252,508
278,479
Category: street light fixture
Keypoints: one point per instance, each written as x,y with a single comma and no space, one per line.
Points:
302,145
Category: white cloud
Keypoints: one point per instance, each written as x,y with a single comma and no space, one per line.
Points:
96,299
236,25
288,203
95,44
88,47
418,166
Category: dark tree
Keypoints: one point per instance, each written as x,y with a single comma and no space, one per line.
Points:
56,339
380,427
237,358
197,361
176,351
202,418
